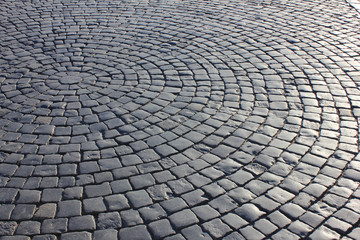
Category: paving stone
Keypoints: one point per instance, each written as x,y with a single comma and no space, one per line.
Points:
241,195
80,180
299,228
175,237
323,232
142,181
195,197
304,200
198,180
130,218
159,192
80,223
183,218
7,195
28,228
69,208
7,170
233,236
116,202
312,219
89,167
182,170
45,237
103,177
291,210
135,233
223,204
109,163
165,150
24,171
7,228
5,211
354,233
180,186
51,182
228,166
49,170
213,190
58,225
334,200
125,172
47,210
292,186
234,220
139,198
173,205
16,237
108,220
161,229
241,177
94,205
67,169
195,232
152,212
250,232
98,190
249,212
315,189
279,219
72,193
23,211
77,235
120,186
32,183
130,160
16,182
216,228
280,195
265,226
110,234
347,215
353,204
205,212
284,233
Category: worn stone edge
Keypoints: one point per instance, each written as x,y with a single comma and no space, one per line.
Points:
355,4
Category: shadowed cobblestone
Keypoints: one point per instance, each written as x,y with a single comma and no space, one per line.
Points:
170,119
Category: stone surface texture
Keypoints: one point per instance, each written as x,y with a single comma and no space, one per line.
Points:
179,119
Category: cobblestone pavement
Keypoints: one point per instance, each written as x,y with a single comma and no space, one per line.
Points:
179,119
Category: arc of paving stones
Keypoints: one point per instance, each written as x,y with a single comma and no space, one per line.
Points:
151,119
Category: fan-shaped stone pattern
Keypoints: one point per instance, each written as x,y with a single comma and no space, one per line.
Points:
179,119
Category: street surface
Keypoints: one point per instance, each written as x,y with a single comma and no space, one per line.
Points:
178,119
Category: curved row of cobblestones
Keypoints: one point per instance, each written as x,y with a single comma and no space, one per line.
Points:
179,120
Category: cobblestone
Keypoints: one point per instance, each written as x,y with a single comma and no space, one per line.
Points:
179,119
28,228
80,223
109,220
137,232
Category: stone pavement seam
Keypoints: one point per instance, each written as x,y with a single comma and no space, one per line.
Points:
355,4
